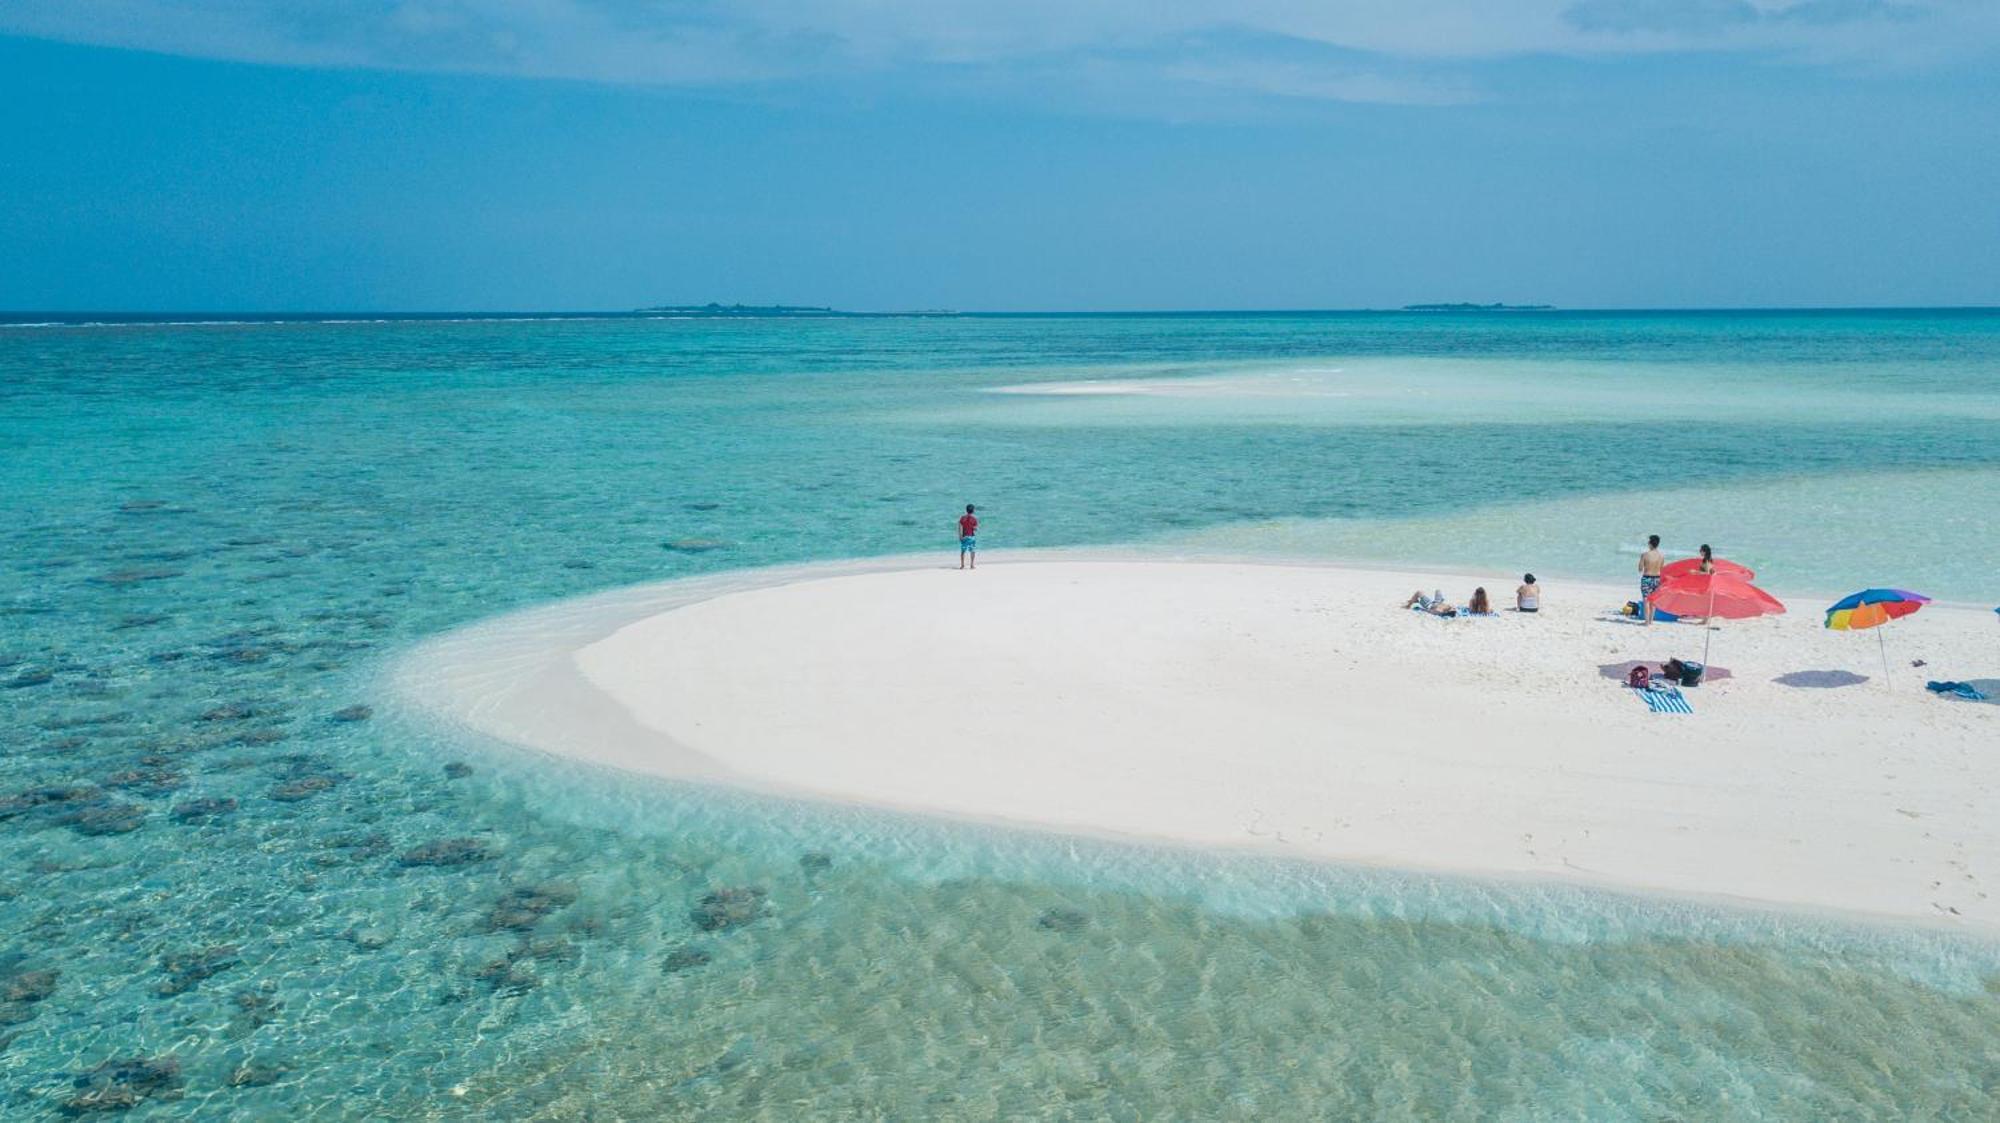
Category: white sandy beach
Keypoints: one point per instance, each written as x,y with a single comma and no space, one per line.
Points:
1295,709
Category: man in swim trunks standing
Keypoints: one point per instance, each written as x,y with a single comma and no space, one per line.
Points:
1650,564
968,538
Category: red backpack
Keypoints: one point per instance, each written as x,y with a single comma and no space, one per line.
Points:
1639,679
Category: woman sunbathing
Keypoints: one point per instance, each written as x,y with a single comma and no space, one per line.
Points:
1434,603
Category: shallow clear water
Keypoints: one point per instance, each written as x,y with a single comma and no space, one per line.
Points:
216,535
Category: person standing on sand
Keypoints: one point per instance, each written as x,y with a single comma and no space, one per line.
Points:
968,538
1650,564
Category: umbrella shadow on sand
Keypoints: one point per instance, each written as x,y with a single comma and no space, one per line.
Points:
1621,671
1820,680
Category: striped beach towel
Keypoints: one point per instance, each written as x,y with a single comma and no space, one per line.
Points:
1666,700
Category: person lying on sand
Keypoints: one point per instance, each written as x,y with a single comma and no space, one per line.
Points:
1434,603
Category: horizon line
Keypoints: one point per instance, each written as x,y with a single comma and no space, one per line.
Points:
834,312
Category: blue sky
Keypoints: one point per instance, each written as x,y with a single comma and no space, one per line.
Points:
265,155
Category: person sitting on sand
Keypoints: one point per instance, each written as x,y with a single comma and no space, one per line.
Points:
1707,566
1480,606
1528,598
968,538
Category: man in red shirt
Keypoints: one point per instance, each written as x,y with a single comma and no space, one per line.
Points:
968,538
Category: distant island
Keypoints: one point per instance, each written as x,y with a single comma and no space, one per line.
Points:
714,309
749,311
1468,307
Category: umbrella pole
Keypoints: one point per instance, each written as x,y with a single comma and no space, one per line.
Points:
1884,645
1708,627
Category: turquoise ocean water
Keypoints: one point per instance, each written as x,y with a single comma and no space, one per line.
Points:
218,899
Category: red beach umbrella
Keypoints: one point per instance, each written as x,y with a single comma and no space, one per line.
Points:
1686,566
1717,594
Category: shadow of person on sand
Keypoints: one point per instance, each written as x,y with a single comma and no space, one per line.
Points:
1820,680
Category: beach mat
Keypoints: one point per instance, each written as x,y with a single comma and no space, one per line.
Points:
1667,701
1977,690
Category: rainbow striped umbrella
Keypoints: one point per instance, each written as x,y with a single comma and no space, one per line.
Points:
1871,608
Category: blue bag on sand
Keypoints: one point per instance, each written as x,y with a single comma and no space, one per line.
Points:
1634,608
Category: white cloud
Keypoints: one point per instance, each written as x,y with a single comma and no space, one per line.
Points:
1345,50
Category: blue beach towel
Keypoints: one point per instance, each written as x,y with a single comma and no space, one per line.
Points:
1963,690
1666,700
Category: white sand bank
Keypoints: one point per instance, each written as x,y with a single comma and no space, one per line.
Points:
1296,709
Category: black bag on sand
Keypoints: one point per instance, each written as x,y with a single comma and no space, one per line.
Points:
1681,673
